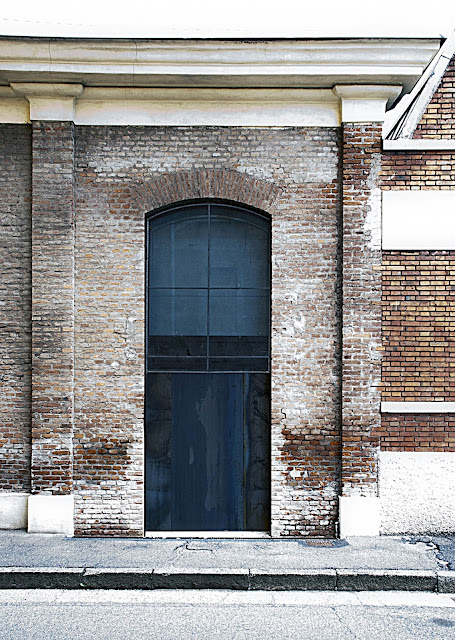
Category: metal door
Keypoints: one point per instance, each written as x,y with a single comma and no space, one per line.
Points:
207,380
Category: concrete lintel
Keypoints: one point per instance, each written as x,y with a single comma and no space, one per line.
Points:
366,103
51,514
359,516
13,510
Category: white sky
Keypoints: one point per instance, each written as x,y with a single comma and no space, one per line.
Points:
228,18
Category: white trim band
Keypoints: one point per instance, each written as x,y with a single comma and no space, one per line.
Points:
424,144
418,407
418,220
207,107
169,107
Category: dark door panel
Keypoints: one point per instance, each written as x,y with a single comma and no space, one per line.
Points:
208,452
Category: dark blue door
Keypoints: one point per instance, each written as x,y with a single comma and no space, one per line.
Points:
208,381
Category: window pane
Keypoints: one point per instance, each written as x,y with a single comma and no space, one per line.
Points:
177,345
176,364
239,345
238,364
239,249
239,312
177,312
178,245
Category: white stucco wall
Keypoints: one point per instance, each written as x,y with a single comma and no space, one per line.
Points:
417,492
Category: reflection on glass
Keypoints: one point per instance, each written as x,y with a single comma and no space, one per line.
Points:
178,246
239,242
178,312
208,289
238,312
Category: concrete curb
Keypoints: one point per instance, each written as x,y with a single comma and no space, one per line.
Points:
238,579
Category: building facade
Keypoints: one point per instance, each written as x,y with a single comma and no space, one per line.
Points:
215,258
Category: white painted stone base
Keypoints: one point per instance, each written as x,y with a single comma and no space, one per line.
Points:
359,516
13,510
417,491
51,514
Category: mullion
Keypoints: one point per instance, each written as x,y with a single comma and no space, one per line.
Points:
209,235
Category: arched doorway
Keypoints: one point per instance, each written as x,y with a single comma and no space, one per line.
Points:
208,369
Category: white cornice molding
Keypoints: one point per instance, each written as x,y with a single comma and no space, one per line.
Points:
365,103
422,144
418,407
49,101
216,63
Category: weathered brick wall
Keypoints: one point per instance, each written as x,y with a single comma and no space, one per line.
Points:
418,325
361,359
109,347
418,170
438,120
15,340
52,306
418,296
418,432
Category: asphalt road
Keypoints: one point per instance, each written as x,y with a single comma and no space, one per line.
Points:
207,615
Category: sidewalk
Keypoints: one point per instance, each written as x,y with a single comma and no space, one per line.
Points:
355,564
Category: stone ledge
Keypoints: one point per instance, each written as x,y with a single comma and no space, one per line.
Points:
231,579
294,580
385,580
446,581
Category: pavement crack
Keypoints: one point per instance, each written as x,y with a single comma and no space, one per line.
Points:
344,623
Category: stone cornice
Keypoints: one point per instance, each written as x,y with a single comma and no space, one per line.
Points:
215,63
365,103
49,101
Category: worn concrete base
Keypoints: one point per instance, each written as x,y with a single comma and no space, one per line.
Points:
417,491
359,516
51,514
13,510
246,580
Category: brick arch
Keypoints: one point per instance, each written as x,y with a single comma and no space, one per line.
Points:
193,185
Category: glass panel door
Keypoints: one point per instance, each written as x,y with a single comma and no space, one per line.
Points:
207,380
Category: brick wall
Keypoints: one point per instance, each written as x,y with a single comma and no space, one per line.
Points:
111,163
418,325
418,296
418,170
52,306
418,432
15,342
438,121
361,359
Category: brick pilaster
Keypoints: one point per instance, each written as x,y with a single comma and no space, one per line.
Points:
361,359
52,306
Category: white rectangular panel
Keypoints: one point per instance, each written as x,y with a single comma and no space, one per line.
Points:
413,220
